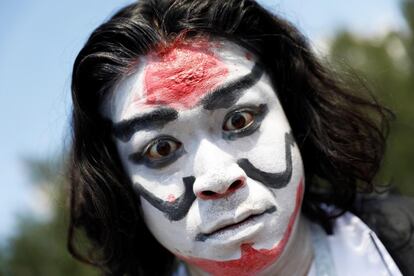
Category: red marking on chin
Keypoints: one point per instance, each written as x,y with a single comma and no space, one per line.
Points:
248,56
252,260
171,198
181,75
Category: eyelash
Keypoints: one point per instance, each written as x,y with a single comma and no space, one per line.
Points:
257,114
141,157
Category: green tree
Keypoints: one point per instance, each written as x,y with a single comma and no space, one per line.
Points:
39,247
387,64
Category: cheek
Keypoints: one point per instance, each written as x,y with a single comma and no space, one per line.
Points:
173,235
169,192
166,186
162,228
267,151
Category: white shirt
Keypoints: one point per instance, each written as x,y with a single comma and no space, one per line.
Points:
353,249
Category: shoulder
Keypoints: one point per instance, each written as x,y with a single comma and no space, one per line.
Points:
392,219
352,249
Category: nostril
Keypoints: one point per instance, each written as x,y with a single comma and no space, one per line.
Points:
236,184
208,193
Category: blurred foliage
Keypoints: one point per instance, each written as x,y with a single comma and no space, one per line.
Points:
39,246
387,63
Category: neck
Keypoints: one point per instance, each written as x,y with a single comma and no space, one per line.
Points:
295,260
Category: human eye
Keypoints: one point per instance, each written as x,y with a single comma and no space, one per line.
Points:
243,121
238,120
158,153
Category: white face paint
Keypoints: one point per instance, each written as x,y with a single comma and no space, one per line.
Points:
230,210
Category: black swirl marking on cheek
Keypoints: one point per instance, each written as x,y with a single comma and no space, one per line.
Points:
272,180
176,210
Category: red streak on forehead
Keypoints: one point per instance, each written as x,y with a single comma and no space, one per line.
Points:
252,261
180,76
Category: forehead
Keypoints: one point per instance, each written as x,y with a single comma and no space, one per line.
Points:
181,75
177,77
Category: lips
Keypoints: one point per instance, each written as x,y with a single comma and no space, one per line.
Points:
226,225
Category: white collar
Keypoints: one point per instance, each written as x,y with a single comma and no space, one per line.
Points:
353,249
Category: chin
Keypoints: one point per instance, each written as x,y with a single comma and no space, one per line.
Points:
253,254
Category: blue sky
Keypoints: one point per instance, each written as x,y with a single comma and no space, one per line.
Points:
39,42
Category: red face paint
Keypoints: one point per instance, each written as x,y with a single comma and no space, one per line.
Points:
252,261
181,75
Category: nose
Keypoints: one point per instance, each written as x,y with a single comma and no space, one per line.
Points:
211,192
217,173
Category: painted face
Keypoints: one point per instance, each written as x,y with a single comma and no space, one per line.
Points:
207,146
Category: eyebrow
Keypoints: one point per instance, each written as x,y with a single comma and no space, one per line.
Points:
154,119
222,97
227,95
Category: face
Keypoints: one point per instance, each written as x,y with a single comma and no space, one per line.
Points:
206,144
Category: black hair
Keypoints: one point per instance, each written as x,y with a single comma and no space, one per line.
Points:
340,131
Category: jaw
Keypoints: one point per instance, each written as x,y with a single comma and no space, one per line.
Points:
253,261
298,256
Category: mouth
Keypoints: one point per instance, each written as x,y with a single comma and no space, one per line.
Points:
233,226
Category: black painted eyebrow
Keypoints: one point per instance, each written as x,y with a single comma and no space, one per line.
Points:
154,119
227,95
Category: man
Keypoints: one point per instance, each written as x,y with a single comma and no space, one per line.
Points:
196,122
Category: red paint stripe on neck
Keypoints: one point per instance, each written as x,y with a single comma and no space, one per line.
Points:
181,75
252,261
